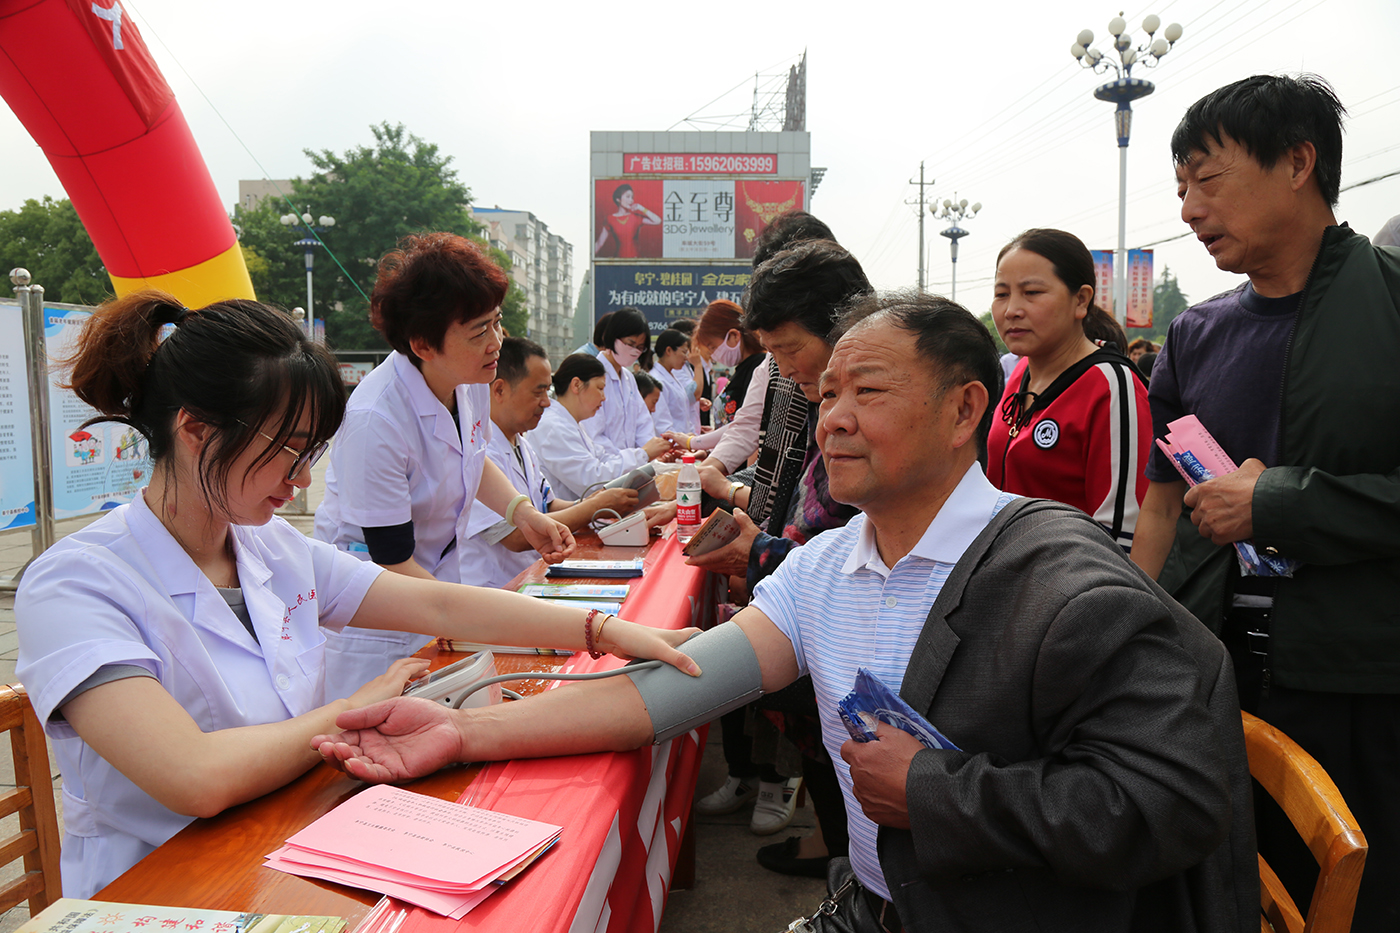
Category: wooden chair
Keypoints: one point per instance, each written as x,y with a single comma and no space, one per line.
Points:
32,798
1305,792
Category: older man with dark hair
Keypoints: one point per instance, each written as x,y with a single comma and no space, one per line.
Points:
1293,373
1099,780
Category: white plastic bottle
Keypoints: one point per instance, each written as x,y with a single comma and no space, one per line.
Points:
687,500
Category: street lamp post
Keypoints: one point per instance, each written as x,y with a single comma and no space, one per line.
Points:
1123,90
956,212
309,244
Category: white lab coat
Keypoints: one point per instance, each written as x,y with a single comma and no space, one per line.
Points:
571,461
487,562
677,409
123,591
399,457
623,423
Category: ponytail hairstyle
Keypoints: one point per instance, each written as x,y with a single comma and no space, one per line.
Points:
238,366
1074,266
584,366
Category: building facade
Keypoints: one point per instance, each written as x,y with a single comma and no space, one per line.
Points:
543,266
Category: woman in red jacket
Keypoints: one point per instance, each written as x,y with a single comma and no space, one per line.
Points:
1074,425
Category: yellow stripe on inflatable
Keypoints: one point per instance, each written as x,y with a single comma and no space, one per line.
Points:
224,276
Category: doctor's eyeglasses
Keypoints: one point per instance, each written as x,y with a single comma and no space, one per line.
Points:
301,459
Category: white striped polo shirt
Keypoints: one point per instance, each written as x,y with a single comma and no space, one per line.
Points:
842,608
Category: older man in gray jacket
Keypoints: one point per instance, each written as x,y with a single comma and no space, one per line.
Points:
1100,781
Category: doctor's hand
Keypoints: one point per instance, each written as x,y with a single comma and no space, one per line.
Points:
621,500
391,683
1223,508
732,560
394,740
553,540
629,640
879,771
656,447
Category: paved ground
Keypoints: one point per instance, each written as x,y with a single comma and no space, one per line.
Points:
732,892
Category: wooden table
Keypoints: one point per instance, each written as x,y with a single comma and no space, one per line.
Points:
217,863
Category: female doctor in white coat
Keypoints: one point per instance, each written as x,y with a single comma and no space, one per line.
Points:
411,455
573,462
678,409
623,426
174,648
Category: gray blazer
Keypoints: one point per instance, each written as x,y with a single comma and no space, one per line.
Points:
1102,783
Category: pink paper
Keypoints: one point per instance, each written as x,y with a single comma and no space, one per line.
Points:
455,906
416,835
1189,435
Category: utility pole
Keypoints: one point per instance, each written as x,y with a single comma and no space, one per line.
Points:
920,202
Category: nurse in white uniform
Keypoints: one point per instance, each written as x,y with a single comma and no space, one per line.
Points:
494,552
678,410
174,648
623,425
411,455
572,461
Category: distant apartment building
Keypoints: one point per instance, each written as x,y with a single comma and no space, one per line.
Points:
543,265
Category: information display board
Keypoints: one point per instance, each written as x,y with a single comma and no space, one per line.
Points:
666,293
16,450
94,468
1139,284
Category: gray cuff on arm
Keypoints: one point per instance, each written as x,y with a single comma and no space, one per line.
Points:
677,702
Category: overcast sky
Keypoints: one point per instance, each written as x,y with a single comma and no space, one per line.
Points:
985,93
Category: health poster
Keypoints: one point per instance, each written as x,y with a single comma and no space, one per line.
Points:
16,450
96,467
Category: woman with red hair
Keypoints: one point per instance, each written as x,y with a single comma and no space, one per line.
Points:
738,410
411,454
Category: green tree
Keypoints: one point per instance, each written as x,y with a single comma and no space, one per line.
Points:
377,194
1168,301
991,326
47,238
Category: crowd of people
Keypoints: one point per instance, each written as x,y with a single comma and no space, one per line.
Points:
999,540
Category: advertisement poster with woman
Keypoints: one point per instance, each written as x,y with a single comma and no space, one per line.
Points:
627,218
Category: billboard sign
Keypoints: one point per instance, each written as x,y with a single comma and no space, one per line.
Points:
16,448
1139,284
700,163
706,218
1139,288
665,293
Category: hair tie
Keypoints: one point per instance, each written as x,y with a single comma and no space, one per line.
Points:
181,315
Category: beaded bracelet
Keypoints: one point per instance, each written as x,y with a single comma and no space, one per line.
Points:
593,652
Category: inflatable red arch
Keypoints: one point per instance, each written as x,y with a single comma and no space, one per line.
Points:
80,78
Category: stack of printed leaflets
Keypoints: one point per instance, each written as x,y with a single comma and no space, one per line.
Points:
70,915
443,856
597,568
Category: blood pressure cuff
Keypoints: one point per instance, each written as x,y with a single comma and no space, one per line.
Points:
677,702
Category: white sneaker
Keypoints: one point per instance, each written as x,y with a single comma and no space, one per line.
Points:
776,805
733,794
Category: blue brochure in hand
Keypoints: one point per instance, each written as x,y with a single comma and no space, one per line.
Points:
871,702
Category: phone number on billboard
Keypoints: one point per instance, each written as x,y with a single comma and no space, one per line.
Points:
711,163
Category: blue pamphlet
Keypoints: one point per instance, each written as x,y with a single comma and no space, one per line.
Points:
871,702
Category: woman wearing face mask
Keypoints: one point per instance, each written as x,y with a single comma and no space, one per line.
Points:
623,427
1075,425
738,411
571,460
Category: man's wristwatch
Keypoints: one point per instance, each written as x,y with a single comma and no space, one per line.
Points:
734,491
